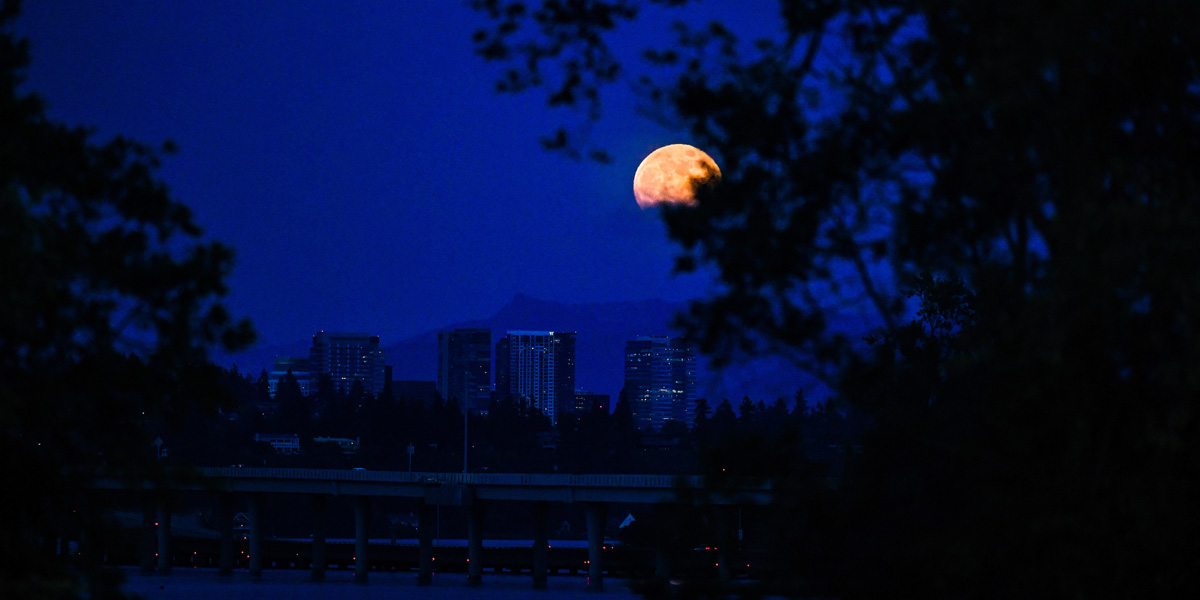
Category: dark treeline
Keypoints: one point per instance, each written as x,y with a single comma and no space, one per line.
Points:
511,437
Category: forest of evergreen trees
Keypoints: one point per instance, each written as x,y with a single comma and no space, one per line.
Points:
511,437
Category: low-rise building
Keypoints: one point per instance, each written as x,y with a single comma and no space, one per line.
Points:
348,446
283,443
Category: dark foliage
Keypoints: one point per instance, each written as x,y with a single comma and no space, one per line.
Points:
1033,397
109,303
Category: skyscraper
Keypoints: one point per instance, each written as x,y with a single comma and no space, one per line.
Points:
537,367
346,358
660,381
502,371
465,367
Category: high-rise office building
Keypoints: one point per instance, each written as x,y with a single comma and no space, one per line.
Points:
660,381
537,367
465,367
346,358
502,370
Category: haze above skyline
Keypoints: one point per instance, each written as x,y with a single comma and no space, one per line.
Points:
359,161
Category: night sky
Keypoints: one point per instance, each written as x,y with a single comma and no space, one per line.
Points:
356,156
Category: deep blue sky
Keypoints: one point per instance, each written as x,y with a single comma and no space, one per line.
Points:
356,157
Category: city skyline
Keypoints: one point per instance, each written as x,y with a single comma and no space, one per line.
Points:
604,329
531,367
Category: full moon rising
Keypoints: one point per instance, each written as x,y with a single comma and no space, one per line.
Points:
669,174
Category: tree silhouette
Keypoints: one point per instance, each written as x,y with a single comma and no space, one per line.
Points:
623,436
262,387
295,413
724,421
109,305
586,442
1007,192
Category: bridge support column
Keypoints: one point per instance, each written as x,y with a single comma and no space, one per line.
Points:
225,527
475,543
425,527
541,526
149,534
597,516
90,542
362,510
662,542
724,541
164,534
256,533
319,559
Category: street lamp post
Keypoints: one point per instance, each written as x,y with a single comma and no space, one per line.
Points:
411,450
466,419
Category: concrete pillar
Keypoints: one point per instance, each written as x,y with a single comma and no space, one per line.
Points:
164,535
319,558
225,527
149,533
475,543
362,509
49,545
541,559
724,541
89,545
597,516
425,527
662,542
256,533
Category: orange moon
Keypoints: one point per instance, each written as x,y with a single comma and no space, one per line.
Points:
667,175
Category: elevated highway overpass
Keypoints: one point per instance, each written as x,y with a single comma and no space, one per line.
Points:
470,490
